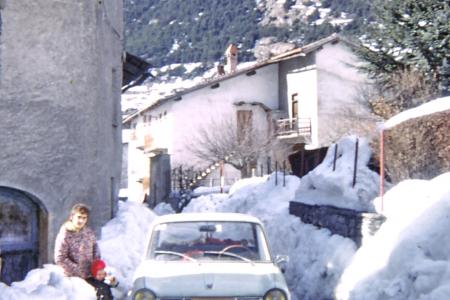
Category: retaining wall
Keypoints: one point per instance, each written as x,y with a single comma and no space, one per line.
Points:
345,222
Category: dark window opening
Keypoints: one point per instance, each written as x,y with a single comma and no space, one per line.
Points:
304,161
294,104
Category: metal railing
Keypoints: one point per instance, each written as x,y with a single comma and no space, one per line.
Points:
293,126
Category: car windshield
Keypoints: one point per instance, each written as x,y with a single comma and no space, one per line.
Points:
213,241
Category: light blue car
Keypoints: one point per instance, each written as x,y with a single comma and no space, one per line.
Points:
220,256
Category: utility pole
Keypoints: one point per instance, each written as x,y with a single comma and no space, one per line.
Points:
222,179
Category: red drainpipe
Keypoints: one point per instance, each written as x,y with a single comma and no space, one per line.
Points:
382,168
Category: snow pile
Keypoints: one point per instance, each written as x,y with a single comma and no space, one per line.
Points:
48,282
122,246
437,105
123,242
409,257
323,186
317,258
204,190
163,209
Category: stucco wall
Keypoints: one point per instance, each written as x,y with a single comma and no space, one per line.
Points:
287,67
341,85
60,104
303,83
174,125
207,106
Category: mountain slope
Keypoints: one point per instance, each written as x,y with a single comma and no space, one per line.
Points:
176,31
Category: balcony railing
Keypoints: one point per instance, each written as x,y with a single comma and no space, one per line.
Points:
293,127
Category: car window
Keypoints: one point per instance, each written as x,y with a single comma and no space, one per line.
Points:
214,241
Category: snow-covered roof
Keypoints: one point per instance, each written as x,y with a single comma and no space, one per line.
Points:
437,105
297,52
197,217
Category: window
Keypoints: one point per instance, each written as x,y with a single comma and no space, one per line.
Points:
244,124
209,241
294,103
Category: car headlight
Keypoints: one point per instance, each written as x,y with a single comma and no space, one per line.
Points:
275,295
144,294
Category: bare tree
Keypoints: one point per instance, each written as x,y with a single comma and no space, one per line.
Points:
402,90
240,145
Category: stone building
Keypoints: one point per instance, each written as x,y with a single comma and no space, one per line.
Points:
60,123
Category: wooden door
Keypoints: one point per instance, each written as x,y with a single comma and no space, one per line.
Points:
18,235
244,125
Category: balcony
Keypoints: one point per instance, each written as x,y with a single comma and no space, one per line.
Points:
293,128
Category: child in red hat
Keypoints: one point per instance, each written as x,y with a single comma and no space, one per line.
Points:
100,281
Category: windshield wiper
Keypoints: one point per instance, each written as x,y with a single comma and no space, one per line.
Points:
220,253
176,253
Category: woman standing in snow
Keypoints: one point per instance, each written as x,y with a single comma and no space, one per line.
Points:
76,245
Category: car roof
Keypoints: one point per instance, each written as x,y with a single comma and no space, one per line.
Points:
206,216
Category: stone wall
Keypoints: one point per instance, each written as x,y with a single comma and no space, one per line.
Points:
345,222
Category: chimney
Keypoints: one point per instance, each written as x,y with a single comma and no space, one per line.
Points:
231,55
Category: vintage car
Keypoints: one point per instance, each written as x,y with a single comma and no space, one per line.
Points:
220,256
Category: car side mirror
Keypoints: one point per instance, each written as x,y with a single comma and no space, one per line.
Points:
282,261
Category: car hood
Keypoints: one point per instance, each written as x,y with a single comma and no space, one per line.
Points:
200,279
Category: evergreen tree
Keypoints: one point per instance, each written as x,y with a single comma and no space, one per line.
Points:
407,36
180,31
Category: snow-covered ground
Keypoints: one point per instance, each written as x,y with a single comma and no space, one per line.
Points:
408,258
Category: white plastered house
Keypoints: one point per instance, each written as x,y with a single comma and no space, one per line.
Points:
310,96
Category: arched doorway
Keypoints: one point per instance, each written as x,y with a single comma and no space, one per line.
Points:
19,234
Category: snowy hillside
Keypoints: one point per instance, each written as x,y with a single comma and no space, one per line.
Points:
169,32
